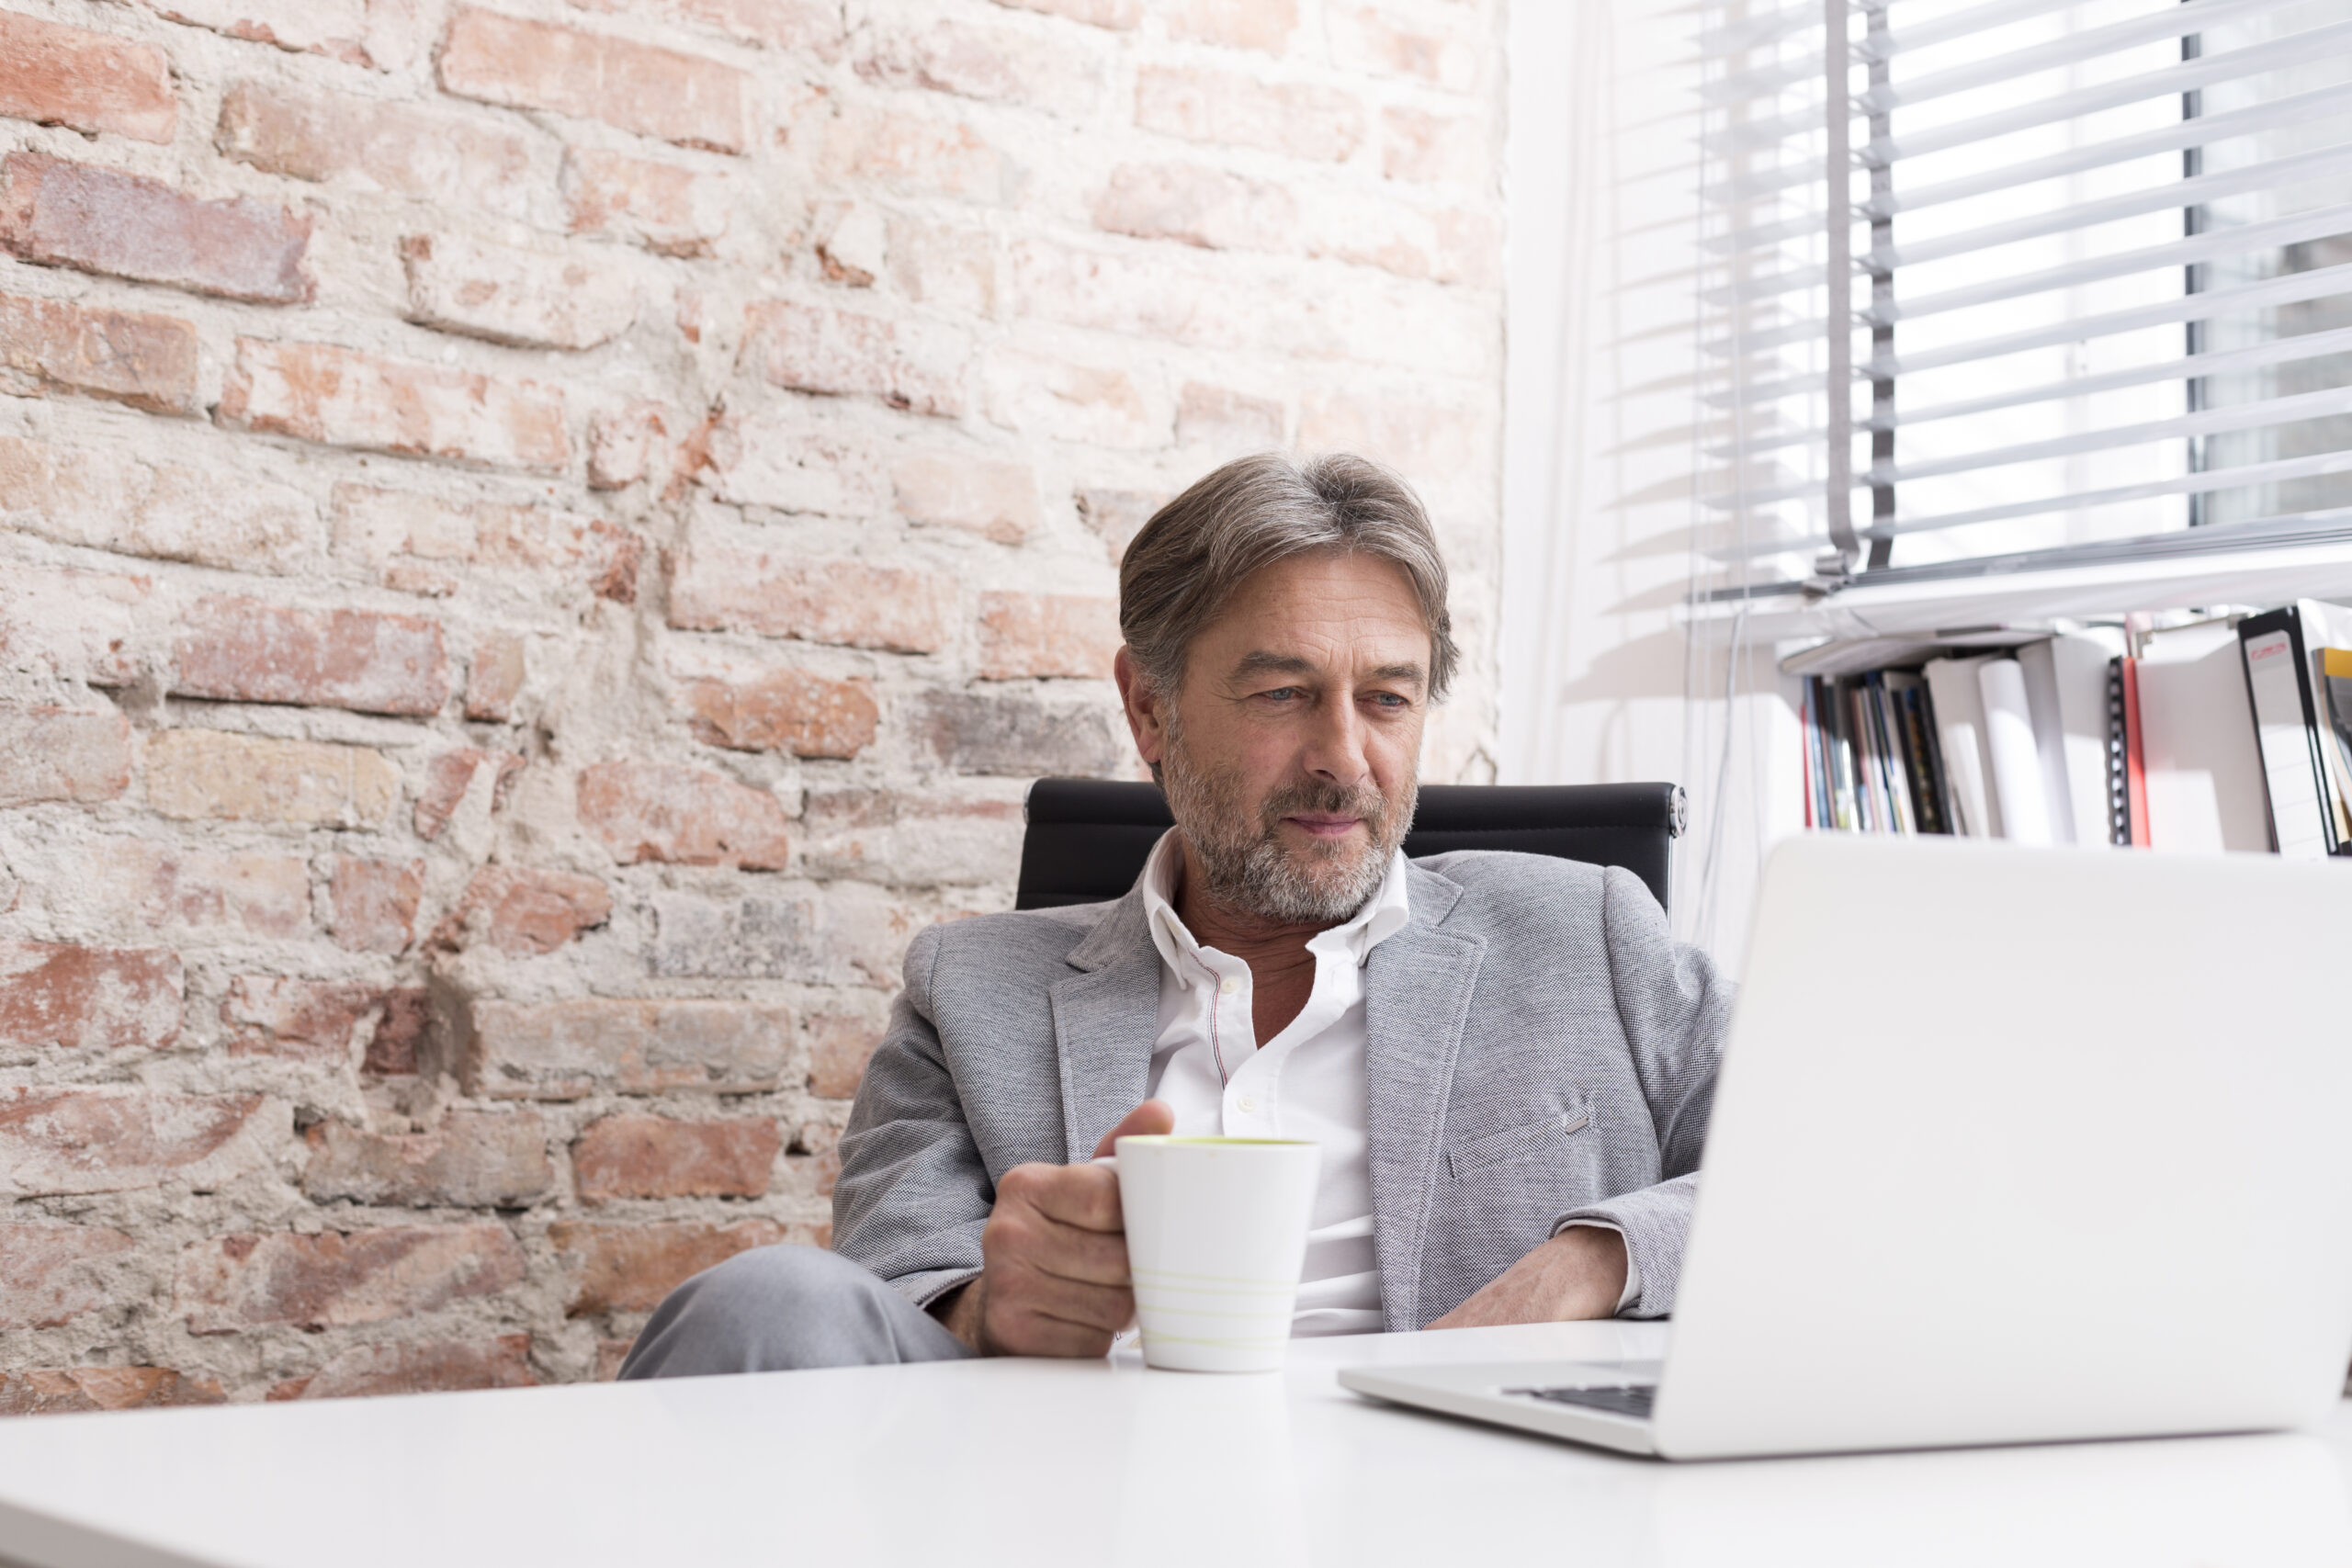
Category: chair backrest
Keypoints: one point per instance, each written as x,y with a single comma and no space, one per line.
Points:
1087,838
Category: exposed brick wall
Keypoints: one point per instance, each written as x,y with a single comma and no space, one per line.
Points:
540,542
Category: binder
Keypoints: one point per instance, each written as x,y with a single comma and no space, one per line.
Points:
2017,759
1960,733
2285,729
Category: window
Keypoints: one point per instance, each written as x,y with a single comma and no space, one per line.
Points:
2058,284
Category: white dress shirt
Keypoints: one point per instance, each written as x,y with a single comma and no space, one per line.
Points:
1307,1082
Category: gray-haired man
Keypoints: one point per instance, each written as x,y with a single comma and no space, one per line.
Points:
1505,1059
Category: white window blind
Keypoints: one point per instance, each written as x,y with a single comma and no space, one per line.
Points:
1999,283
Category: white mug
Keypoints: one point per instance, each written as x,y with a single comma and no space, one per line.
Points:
1216,1234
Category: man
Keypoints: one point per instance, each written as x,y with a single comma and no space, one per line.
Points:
1505,1059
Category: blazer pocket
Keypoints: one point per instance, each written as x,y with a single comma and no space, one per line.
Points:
1516,1143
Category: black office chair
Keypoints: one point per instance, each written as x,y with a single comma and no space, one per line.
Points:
1088,838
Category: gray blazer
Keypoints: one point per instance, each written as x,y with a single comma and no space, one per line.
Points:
1540,1050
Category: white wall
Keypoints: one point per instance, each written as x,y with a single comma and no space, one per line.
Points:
1602,428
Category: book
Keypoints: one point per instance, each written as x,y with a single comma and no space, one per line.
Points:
2203,773
2066,689
2121,778
2286,728
1914,708
1959,706
2016,771
2336,680
2135,756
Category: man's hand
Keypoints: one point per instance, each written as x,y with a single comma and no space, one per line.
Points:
1054,1257
1579,1273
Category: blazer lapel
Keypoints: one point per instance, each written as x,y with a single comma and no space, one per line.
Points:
1416,1000
1106,1022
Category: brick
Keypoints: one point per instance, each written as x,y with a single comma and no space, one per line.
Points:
1364,41
366,1370
402,149
202,773
847,237
54,74
795,460
474,1159
809,25
995,499
611,1354
1298,120
89,999
1024,635
449,775
991,64
411,540
668,208
1435,149
74,626
147,361
626,445
372,903
341,397
245,651
721,585
51,753
400,1033
1442,246
341,1277
898,837
1118,515
50,1275
625,1267
305,1021
1235,24
1418,437
866,144
1226,421
523,913
525,299
1098,405
115,501
636,87
73,1391
819,1146
908,363
1120,16
1016,736
658,1157
784,710
841,1039
71,1141
495,677
166,887
1196,206
54,213
942,264
566,1050
852,935
1167,296
655,811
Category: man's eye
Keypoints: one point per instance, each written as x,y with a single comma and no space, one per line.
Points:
1389,700
1281,694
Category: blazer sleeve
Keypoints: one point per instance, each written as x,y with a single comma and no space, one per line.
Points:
913,1192
1673,1008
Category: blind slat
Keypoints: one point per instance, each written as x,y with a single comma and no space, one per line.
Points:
2278,351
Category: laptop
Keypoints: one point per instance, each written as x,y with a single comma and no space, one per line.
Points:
2010,1146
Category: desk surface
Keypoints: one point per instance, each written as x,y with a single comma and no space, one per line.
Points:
978,1463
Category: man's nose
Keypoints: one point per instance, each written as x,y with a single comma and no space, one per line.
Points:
1335,745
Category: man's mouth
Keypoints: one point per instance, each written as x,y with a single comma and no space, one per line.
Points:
1321,825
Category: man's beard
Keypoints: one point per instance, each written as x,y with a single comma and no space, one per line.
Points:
1247,867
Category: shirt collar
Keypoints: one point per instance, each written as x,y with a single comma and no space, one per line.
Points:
1382,915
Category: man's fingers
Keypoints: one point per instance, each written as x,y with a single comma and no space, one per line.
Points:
1151,1118
1086,1196
1035,1293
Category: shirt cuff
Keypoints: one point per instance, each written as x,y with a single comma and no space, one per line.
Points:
1632,1269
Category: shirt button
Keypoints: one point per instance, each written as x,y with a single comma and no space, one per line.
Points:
1247,1105
1228,986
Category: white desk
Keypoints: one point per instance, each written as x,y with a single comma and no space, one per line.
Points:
1034,1463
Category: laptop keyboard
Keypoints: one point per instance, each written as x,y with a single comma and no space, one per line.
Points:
1616,1400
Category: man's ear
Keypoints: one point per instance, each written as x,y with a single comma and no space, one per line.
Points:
1146,721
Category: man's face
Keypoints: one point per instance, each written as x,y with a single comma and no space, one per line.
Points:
1290,755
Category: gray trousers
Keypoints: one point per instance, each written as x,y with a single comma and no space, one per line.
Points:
777,1309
